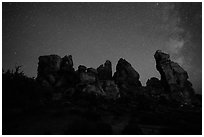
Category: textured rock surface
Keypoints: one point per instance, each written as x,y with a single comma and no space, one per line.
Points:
173,77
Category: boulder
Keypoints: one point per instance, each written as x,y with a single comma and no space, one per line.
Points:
105,71
173,77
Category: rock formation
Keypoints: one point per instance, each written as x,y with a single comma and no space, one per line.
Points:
58,74
126,77
54,71
105,71
174,78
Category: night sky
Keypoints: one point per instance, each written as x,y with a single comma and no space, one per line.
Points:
95,32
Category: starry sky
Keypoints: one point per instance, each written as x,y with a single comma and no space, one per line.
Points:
95,32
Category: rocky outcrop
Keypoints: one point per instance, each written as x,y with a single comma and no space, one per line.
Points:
54,71
105,71
58,74
48,69
174,78
126,77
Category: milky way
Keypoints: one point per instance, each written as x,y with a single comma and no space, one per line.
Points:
95,32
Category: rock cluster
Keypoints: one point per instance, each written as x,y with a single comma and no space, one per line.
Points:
173,78
56,73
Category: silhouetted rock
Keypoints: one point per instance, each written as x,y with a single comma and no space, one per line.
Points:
174,78
126,77
67,63
48,64
48,69
105,71
54,71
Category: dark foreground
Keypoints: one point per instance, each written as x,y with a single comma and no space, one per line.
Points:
84,117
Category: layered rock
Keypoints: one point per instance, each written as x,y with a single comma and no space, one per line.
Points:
174,78
126,77
105,71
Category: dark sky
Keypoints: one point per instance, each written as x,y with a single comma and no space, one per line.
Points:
95,32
